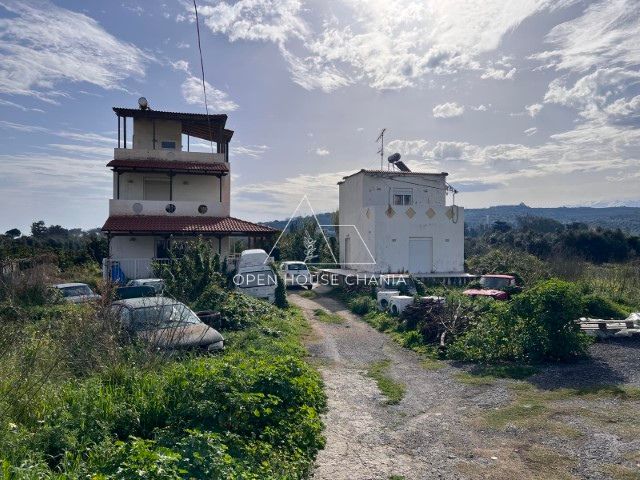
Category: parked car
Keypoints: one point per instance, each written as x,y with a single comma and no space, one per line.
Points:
254,275
156,283
166,323
123,293
77,292
494,286
296,274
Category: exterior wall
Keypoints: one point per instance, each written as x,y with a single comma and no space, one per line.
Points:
364,200
194,189
165,131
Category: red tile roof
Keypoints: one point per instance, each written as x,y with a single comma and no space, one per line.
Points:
195,225
170,165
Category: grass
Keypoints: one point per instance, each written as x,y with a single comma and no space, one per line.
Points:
548,410
308,294
488,374
432,364
394,391
328,317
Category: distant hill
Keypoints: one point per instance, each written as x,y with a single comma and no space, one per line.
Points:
625,218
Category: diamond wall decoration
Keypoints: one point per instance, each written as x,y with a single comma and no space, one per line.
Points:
368,214
390,212
431,213
410,212
449,213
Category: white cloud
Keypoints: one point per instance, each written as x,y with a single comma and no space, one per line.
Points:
263,20
182,65
43,45
606,35
217,99
322,152
533,110
480,108
498,74
253,151
448,110
389,44
592,94
531,131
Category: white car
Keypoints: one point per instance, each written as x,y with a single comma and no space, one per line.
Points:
254,275
296,274
156,283
77,292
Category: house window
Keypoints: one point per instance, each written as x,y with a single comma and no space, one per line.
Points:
402,196
171,145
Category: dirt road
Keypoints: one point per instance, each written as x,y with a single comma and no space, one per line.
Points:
439,429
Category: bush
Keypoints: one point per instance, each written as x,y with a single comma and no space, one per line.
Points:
193,266
362,305
596,306
281,291
527,268
251,413
237,310
539,325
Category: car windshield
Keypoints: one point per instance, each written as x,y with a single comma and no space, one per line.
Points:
162,316
495,282
297,266
76,291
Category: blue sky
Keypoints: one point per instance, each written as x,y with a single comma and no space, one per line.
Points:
535,100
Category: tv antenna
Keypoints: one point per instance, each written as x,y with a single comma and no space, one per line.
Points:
381,150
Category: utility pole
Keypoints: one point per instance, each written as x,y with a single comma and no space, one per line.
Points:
381,150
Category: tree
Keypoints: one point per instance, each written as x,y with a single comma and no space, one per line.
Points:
13,233
38,229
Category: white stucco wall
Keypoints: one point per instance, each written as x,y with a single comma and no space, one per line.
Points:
364,200
203,189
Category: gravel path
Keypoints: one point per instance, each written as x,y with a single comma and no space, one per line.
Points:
435,431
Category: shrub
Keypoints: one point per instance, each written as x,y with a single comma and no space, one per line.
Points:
527,268
281,291
362,305
539,325
237,310
596,306
193,266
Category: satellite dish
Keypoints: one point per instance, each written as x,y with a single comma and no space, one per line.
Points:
394,158
143,103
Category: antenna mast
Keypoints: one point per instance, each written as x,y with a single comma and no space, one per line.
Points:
381,150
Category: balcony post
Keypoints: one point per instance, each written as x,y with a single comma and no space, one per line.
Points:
124,120
118,131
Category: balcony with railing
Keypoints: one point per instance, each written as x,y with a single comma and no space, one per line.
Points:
169,208
168,155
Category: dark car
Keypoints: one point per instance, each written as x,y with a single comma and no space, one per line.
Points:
166,323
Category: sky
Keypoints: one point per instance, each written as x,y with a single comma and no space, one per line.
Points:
533,101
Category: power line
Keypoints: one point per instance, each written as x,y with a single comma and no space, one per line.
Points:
204,85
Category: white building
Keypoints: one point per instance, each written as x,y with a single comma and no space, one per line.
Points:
398,222
162,193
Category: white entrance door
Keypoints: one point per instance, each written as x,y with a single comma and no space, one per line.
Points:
420,255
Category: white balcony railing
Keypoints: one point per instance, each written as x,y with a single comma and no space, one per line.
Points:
169,155
161,207
125,269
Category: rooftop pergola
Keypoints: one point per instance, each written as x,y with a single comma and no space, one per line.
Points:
199,125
